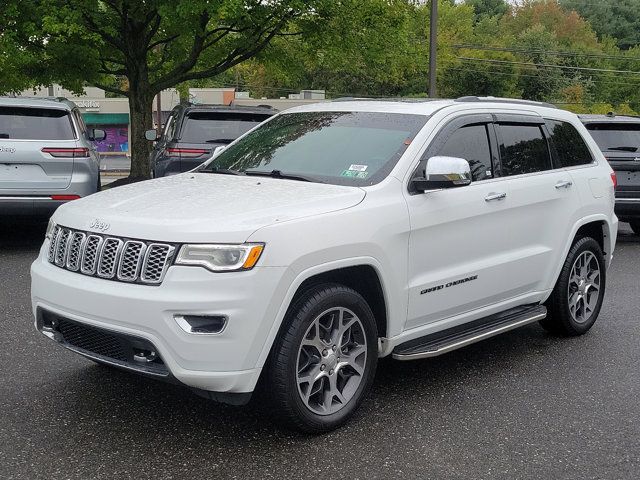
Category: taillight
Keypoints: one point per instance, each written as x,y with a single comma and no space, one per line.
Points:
614,179
186,152
65,197
66,152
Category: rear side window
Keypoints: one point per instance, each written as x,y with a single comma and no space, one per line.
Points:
568,143
217,127
471,143
22,123
523,149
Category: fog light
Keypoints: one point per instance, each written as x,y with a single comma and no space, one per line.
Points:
201,324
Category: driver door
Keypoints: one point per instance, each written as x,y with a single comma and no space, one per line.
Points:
459,236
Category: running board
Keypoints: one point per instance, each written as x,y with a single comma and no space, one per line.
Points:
466,334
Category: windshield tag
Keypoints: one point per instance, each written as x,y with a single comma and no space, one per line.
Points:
358,168
354,174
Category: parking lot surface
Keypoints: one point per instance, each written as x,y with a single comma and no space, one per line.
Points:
521,405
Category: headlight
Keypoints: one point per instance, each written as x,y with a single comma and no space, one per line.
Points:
220,258
50,228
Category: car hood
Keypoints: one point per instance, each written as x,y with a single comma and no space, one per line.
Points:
203,207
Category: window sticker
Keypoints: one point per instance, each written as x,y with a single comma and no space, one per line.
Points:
354,174
358,168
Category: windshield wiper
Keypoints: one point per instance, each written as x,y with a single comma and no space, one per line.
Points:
221,171
220,140
280,174
624,149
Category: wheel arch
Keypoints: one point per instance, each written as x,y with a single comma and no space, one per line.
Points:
597,226
361,274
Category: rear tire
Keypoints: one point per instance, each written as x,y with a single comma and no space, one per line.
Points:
575,302
324,361
635,226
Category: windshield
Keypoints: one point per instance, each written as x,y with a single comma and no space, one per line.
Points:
344,148
218,127
26,123
616,136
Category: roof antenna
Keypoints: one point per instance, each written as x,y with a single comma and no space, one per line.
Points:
611,114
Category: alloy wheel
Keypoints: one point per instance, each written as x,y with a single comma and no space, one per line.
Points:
584,287
331,360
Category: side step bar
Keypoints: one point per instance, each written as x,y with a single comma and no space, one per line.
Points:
457,337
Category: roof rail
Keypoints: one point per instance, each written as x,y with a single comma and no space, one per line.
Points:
385,99
516,101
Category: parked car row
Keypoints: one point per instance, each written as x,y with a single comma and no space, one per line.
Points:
328,237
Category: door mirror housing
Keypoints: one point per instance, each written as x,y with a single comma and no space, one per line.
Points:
444,172
151,135
96,135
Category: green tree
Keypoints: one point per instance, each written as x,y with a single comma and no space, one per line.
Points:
152,45
619,19
488,8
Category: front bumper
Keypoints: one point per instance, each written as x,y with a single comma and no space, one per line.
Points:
628,208
227,362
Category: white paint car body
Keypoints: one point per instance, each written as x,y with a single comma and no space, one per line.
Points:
413,242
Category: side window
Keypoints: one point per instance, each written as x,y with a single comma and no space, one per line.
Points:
523,149
569,144
471,143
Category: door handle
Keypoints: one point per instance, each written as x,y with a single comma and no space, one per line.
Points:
563,184
495,196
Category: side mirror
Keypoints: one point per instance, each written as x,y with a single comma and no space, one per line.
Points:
96,135
444,172
218,150
151,135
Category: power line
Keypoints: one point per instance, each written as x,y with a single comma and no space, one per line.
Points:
544,52
538,75
547,65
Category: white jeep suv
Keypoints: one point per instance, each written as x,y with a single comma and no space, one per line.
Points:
330,236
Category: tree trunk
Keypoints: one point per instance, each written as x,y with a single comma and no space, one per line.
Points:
140,108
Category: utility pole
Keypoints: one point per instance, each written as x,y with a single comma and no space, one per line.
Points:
433,36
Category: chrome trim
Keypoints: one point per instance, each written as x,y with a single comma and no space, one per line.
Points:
116,256
184,325
94,265
627,200
47,198
468,341
110,251
495,196
167,262
136,273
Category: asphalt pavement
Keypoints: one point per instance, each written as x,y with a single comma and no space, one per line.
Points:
518,406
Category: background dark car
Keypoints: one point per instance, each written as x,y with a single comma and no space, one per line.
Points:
618,136
192,132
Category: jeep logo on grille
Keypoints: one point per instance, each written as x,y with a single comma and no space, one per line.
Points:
99,225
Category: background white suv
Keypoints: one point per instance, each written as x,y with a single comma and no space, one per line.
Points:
330,236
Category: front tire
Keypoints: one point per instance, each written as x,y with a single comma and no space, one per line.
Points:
324,360
575,302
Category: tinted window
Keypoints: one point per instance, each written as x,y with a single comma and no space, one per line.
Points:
569,144
345,148
35,124
217,127
472,144
523,149
623,137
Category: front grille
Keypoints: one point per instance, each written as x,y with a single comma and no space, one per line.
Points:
112,258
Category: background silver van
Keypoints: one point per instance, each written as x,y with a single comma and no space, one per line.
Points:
47,155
